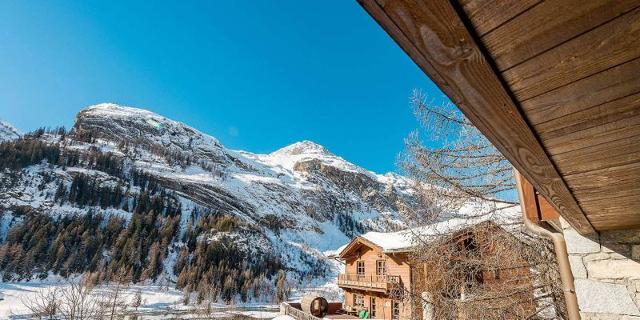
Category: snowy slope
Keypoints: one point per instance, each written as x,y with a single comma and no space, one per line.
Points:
8,132
296,202
301,177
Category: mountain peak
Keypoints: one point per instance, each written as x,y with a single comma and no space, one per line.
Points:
116,110
304,147
113,122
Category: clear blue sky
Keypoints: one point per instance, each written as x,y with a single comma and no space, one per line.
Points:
256,74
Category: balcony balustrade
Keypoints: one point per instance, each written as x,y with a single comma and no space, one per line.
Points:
381,283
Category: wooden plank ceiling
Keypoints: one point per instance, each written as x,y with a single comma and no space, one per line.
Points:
554,84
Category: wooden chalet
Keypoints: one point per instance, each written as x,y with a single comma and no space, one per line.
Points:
380,274
555,86
376,275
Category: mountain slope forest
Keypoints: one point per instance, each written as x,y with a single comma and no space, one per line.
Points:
128,195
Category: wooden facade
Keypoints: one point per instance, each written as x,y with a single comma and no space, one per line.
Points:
496,273
388,283
374,280
554,85
536,207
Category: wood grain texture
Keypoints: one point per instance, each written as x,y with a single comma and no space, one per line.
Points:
527,195
613,223
604,207
486,15
600,156
605,132
620,81
534,206
606,183
547,212
547,25
432,33
614,212
626,188
577,124
609,45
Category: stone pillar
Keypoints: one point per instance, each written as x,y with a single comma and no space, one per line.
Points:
607,273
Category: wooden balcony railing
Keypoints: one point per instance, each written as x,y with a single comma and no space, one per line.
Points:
288,309
379,282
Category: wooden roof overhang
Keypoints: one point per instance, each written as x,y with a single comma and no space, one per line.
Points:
554,85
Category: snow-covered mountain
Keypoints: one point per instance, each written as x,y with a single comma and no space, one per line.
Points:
8,132
291,204
302,184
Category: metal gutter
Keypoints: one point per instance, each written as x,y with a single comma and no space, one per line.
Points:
560,248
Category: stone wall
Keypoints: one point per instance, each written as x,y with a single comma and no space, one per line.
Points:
606,269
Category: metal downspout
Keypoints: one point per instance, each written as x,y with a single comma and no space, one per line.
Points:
560,246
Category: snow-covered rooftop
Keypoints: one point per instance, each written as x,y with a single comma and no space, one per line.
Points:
404,240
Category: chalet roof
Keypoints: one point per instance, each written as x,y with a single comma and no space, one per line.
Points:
403,241
557,94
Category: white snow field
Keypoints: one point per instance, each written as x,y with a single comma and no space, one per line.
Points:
158,302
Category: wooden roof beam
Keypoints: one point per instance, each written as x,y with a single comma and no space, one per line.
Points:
438,40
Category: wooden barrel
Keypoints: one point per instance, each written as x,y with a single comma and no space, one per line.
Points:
314,305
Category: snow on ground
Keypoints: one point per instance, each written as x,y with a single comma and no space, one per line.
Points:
158,302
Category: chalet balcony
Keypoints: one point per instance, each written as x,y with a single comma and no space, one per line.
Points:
368,282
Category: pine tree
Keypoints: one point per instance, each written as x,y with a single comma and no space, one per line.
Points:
281,286
153,262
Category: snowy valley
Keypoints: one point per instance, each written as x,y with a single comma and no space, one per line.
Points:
129,195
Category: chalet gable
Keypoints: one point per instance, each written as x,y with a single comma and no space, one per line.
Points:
355,246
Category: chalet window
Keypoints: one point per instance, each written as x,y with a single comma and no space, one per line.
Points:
360,268
381,267
358,300
470,244
373,308
473,275
395,310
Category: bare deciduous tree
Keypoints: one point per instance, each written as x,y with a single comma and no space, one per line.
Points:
43,304
74,300
137,300
457,163
77,301
114,303
481,273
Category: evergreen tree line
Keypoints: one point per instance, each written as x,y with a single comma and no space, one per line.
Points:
112,247
91,242
86,190
26,151
219,270
348,225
